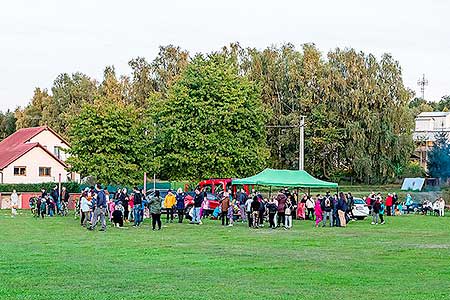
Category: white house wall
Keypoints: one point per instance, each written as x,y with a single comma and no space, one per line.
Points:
32,160
47,139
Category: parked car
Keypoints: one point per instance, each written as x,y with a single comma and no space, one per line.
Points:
360,209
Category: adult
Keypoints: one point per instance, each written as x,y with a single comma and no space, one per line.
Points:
281,199
137,205
301,208
100,209
342,209
327,207
224,205
14,203
376,208
65,196
288,210
169,203
242,198
350,205
262,210
272,208
123,197
117,215
248,210
336,220
55,196
255,211
310,208
408,202
389,203
84,209
180,204
441,207
154,205
394,203
198,200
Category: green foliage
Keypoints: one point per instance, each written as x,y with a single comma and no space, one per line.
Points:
108,142
413,169
359,115
72,187
438,161
211,124
7,124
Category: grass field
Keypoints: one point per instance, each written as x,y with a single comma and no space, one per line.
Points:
408,258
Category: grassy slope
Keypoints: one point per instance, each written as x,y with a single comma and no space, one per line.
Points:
408,258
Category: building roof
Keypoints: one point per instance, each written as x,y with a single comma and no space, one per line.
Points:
17,144
433,114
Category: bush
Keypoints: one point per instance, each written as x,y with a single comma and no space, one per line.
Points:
72,187
413,169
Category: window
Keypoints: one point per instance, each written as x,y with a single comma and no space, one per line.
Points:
44,171
57,152
20,171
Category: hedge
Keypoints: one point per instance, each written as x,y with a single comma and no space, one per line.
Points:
72,187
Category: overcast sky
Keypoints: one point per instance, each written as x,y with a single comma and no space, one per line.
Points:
40,39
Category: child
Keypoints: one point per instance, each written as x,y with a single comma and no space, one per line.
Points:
43,208
382,212
231,213
318,211
399,209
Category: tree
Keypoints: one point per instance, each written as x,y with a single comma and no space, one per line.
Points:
108,142
31,116
438,161
212,123
7,124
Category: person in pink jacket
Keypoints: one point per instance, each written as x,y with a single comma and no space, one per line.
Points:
318,211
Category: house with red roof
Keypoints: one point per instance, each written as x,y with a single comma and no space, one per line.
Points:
34,155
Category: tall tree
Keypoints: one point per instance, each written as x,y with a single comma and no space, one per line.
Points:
31,116
438,161
108,142
7,124
211,124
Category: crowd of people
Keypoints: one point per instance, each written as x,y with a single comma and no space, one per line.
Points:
97,206
50,203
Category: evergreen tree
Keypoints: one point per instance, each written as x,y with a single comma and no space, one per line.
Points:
438,161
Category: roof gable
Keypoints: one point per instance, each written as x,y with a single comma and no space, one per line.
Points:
17,145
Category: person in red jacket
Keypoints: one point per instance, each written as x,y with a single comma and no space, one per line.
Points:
389,202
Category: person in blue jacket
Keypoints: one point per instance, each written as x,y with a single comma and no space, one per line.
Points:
179,197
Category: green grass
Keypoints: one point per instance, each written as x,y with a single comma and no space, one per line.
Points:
408,258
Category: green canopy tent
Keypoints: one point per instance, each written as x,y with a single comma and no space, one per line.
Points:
285,178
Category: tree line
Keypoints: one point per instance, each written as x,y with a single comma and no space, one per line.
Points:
233,112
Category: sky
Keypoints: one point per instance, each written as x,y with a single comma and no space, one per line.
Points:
40,39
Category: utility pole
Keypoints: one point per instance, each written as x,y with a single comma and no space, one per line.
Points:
301,144
422,82
301,139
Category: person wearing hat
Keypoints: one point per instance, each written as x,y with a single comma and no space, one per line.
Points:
100,209
169,203
180,204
